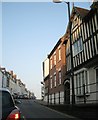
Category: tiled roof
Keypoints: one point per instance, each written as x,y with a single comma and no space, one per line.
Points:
81,11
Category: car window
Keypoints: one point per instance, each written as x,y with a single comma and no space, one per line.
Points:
6,99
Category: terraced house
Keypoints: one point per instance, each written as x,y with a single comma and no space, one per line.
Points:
56,62
9,80
84,32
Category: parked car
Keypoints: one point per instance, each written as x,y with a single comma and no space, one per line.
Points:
9,109
24,96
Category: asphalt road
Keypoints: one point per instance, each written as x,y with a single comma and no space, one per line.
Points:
32,109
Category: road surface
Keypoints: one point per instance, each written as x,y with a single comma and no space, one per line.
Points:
32,109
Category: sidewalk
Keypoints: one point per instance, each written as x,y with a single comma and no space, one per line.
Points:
41,102
81,111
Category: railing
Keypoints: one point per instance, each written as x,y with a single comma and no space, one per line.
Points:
86,93
83,95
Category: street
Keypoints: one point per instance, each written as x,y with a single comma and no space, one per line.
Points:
32,109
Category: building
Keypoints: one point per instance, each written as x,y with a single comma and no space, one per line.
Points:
45,84
84,37
4,82
84,32
57,70
0,78
9,80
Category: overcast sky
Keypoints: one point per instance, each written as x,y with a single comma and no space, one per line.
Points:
29,32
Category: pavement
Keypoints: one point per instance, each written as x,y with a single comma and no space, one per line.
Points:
41,102
81,112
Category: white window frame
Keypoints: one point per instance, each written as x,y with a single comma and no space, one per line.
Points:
77,46
51,82
60,76
51,63
54,58
59,53
96,76
55,79
79,88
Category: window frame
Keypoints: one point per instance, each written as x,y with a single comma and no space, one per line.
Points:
77,46
81,79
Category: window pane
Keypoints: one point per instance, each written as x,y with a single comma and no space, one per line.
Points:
79,84
96,75
77,46
59,77
81,44
86,78
76,84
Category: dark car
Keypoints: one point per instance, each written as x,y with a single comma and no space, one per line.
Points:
9,110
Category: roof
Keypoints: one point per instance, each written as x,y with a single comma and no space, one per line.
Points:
57,44
95,4
81,11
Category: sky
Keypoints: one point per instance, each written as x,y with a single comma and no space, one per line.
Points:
29,32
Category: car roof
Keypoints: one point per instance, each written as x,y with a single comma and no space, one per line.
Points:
4,89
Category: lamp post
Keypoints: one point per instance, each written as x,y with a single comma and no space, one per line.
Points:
71,53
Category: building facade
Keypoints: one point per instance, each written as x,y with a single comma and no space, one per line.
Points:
57,70
9,80
84,41
84,32
45,86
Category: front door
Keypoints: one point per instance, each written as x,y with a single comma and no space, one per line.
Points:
67,93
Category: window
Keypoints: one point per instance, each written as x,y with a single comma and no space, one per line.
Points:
54,58
87,88
82,78
77,84
59,54
54,79
51,82
79,78
77,46
80,44
50,63
59,77
97,75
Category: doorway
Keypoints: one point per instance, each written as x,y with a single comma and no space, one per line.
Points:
67,93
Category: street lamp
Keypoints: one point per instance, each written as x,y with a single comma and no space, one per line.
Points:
71,54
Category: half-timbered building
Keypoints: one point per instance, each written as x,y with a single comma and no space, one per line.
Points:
84,34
